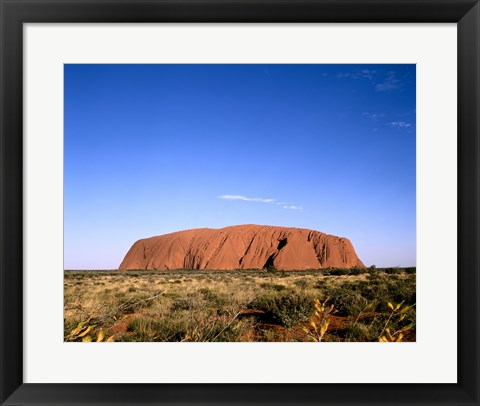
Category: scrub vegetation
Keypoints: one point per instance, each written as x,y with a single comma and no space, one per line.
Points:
328,305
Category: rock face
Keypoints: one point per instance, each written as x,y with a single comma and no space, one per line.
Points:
242,247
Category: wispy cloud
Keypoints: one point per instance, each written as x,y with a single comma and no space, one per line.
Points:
373,116
399,124
293,207
361,74
245,198
261,200
391,82
379,119
381,80
367,74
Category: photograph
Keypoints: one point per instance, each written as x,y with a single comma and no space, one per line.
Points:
240,203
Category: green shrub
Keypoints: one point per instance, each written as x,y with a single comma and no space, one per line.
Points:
347,271
358,332
232,332
181,304
146,329
213,298
347,301
287,309
273,286
391,271
301,283
402,291
339,271
136,325
169,329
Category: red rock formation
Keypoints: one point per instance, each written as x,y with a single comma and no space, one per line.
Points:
242,247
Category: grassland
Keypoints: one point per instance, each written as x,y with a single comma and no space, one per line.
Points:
338,305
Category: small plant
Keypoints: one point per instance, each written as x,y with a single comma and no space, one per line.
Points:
285,309
391,337
347,301
84,331
399,313
322,312
358,332
81,331
273,286
302,284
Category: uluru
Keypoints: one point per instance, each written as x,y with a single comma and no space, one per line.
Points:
242,247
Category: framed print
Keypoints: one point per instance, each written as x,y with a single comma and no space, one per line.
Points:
239,202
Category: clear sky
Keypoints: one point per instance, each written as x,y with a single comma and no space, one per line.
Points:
152,149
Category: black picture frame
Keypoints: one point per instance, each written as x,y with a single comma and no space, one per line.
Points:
14,13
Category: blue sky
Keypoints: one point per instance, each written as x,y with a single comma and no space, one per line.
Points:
152,149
